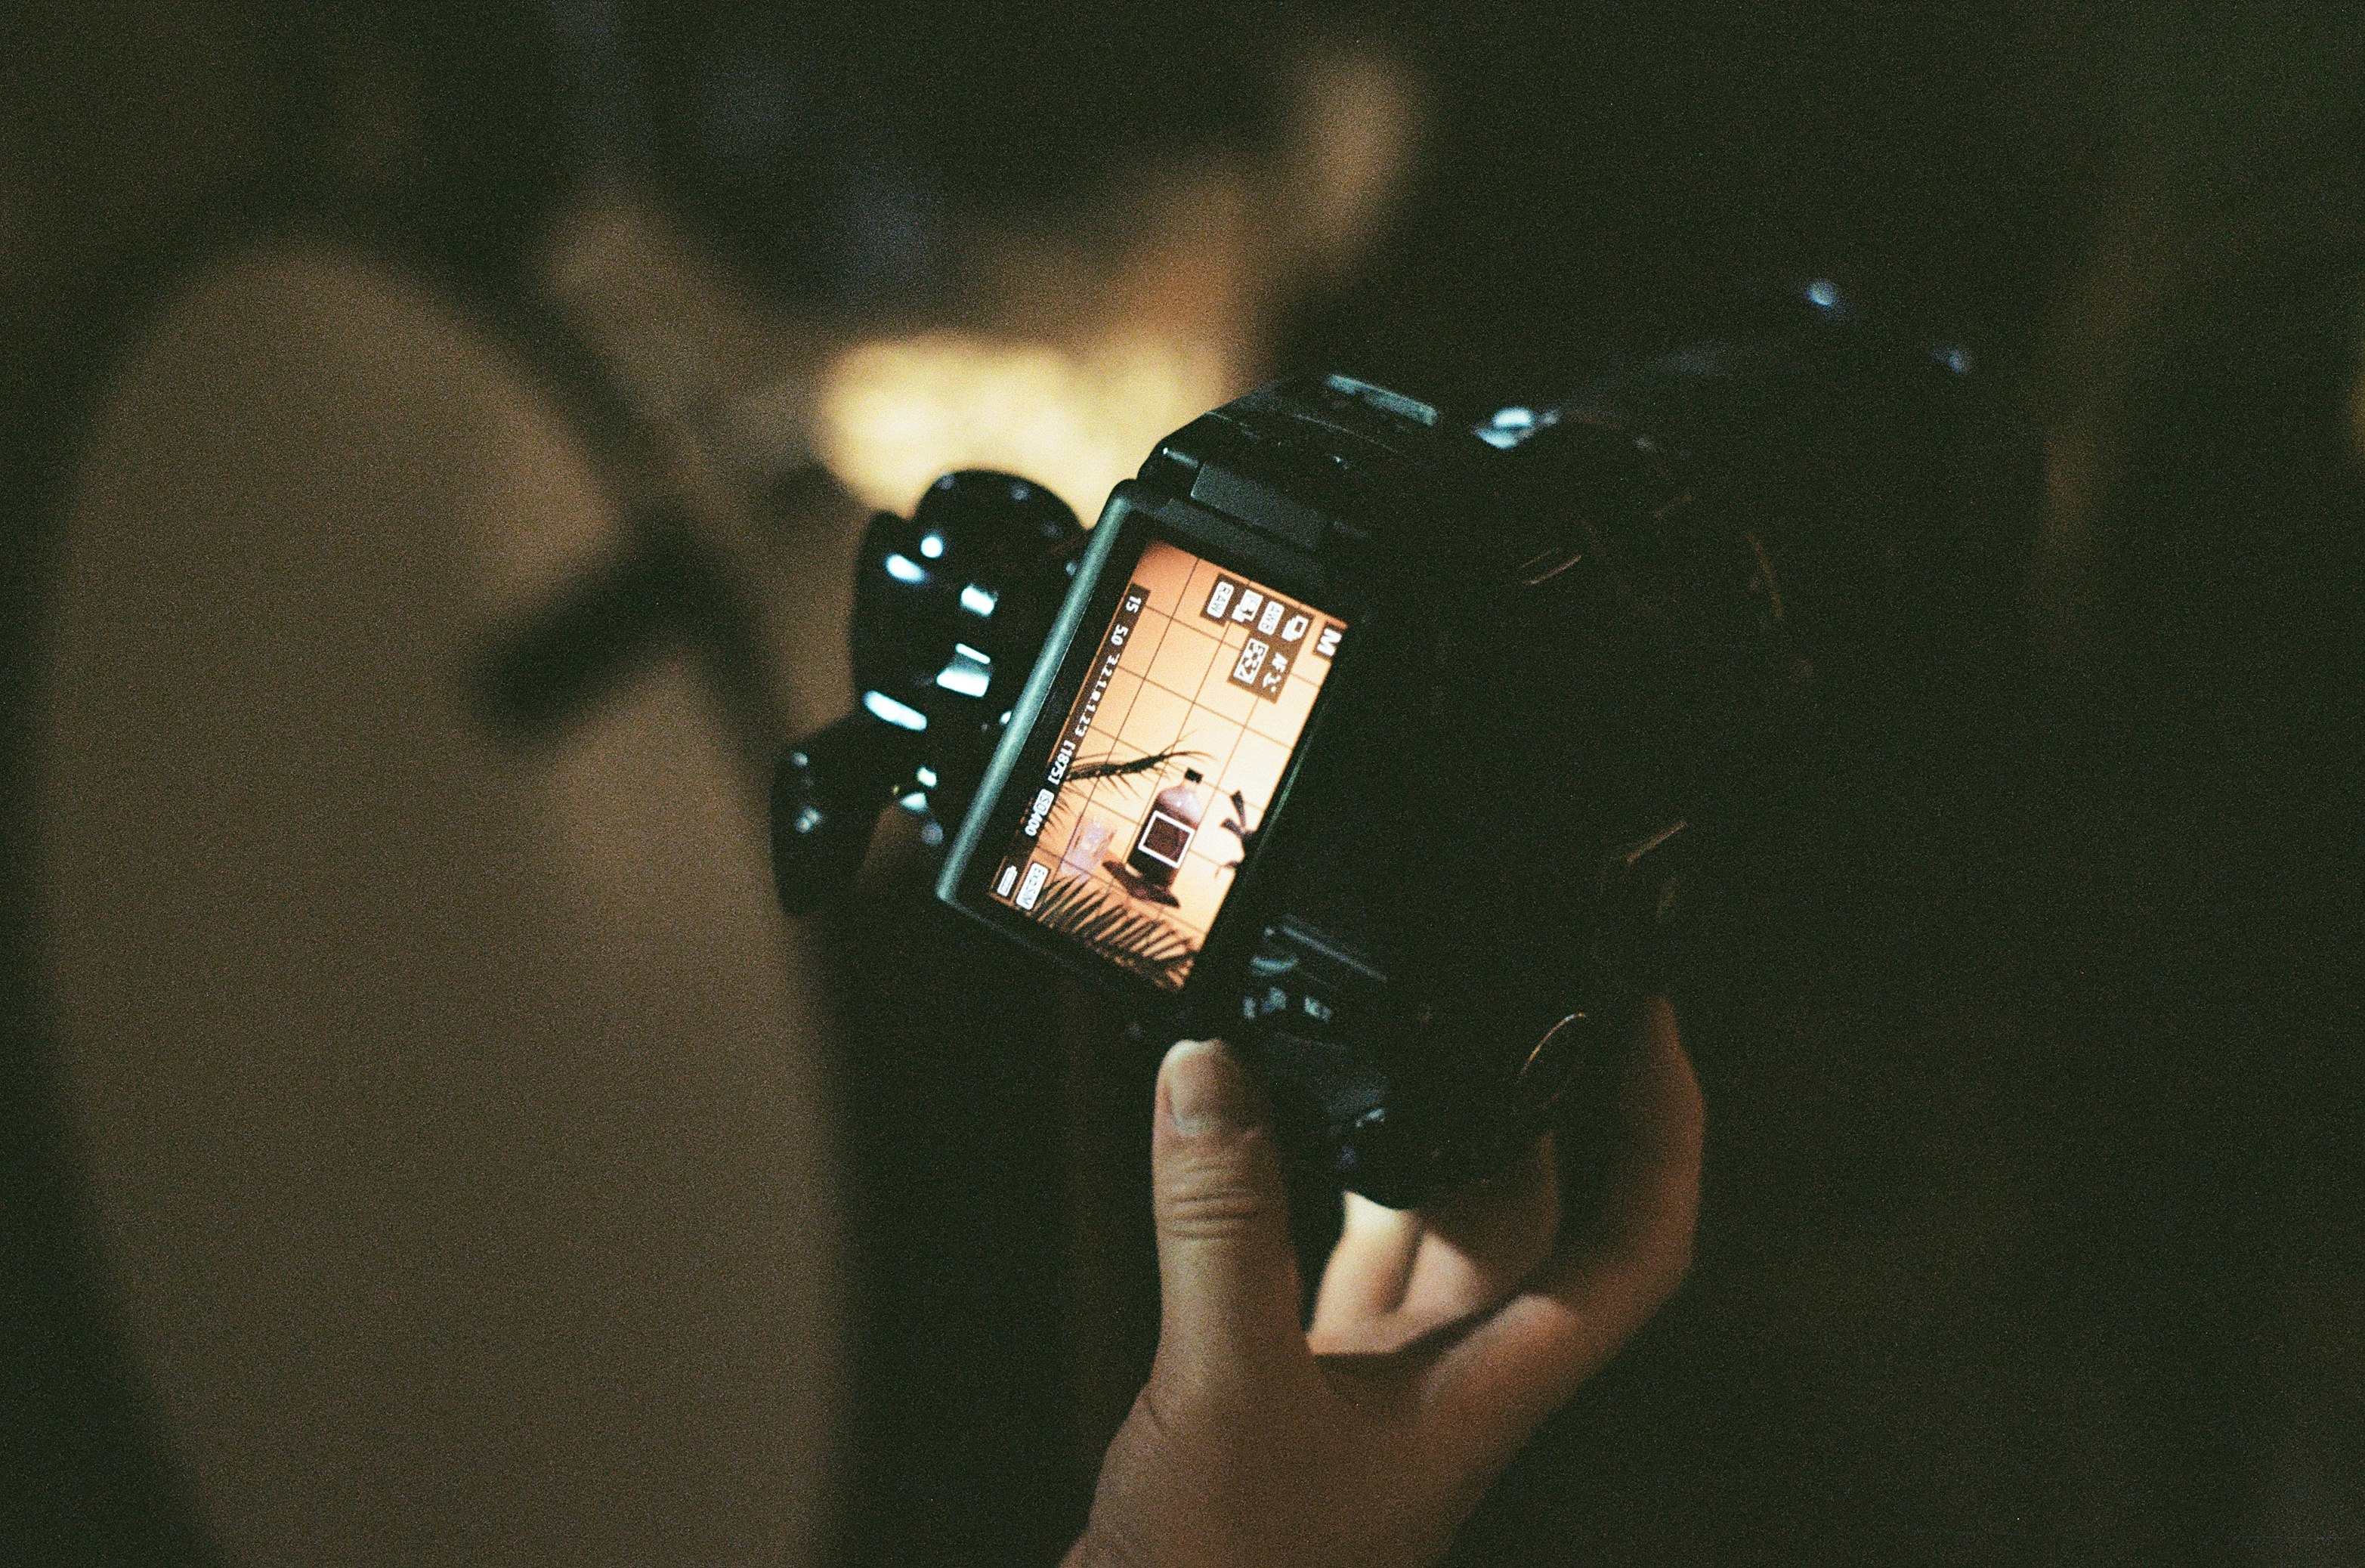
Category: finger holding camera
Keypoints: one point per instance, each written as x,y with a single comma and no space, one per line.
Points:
1440,1341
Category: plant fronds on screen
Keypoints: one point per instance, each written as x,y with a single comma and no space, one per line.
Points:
1236,826
1109,766
1061,821
1078,908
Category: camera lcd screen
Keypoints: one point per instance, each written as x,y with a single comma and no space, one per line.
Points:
1154,789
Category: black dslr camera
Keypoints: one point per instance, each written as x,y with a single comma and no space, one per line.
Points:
1373,738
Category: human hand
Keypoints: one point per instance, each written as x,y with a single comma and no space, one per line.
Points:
1441,1338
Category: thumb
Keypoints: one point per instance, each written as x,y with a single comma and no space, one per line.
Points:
1227,1272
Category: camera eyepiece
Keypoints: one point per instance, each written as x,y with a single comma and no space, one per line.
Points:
950,608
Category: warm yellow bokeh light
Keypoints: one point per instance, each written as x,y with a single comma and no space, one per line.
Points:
895,414
1082,355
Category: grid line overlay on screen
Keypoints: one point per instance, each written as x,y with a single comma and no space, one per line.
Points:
1231,638
1187,682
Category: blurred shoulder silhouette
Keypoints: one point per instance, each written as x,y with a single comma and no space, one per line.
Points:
440,1096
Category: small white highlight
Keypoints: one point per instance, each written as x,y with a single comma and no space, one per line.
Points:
1509,426
969,673
927,778
905,570
932,545
903,715
978,601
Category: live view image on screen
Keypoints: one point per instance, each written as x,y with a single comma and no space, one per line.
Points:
1157,784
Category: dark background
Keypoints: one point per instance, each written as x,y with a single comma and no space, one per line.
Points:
2030,1222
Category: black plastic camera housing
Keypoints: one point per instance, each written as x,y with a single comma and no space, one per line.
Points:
1536,655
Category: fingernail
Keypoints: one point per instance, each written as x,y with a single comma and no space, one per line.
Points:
1211,1096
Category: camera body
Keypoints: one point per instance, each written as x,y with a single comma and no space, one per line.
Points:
1375,740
